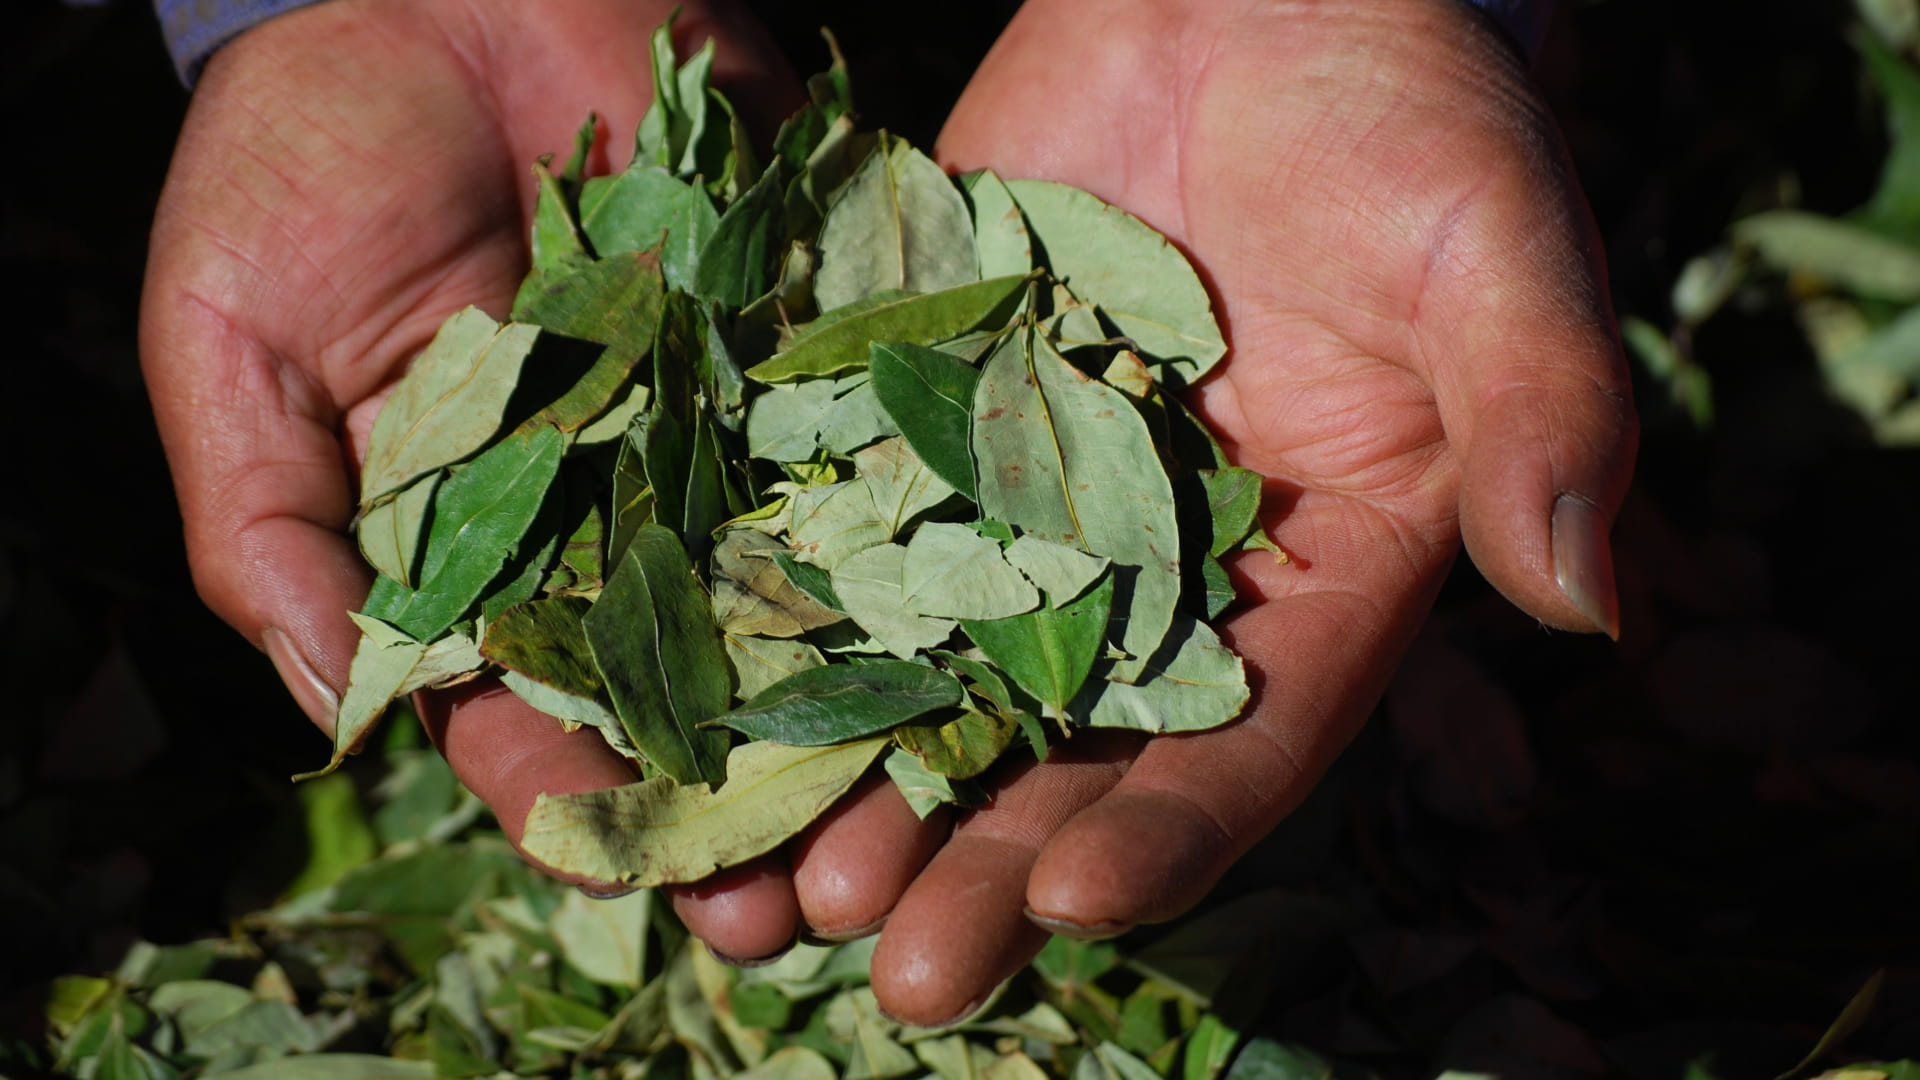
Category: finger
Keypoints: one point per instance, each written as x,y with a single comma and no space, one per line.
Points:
1518,340
508,754
1319,656
851,867
961,929
746,914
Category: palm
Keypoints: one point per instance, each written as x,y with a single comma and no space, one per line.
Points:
349,176
1419,350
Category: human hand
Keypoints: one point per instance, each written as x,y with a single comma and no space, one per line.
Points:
349,175
1422,353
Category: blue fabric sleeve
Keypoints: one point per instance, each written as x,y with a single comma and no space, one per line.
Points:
194,28
1526,21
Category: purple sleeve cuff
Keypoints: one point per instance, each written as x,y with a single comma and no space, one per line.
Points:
194,28
1526,21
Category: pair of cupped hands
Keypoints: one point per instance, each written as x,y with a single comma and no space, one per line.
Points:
1422,354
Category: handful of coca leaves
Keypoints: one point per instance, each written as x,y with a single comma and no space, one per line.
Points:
783,468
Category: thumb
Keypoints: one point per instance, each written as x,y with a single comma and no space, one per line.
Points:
1533,391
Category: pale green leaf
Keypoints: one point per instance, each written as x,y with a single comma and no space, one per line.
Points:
656,831
448,405
1115,261
644,207
898,223
834,521
901,485
606,940
335,1067
1062,572
952,572
1068,459
924,789
390,533
868,584
1195,683
760,662
999,232
1849,256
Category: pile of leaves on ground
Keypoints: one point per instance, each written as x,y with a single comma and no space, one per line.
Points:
420,945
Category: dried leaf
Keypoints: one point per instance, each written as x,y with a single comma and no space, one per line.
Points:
653,638
656,831
838,703
841,345
448,405
897,223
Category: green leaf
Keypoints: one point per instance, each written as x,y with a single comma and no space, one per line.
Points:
449,403
760,662
653,638
929,395
961,748
556,242
390,533
545,642
1062,572
842,344
615,302
1194,683
1849,256
645,208
1220,593
1209,1048
1896,199
738,261
838,703
480,514
1068,459
338,836
656,832
1049,652
868,584
1233,502
808,578
1115,261
952,572
999,232
897,223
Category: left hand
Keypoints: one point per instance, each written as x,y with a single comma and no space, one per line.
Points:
1423,353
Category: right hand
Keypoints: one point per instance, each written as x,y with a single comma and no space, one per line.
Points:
348,176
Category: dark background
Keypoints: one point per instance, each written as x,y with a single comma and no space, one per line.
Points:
1617,857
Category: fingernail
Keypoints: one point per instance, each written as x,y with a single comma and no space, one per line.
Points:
1583,562
606,892
758,961
810,936
1099,931
313,694
973,1006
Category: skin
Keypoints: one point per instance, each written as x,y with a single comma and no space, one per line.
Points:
1422,356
